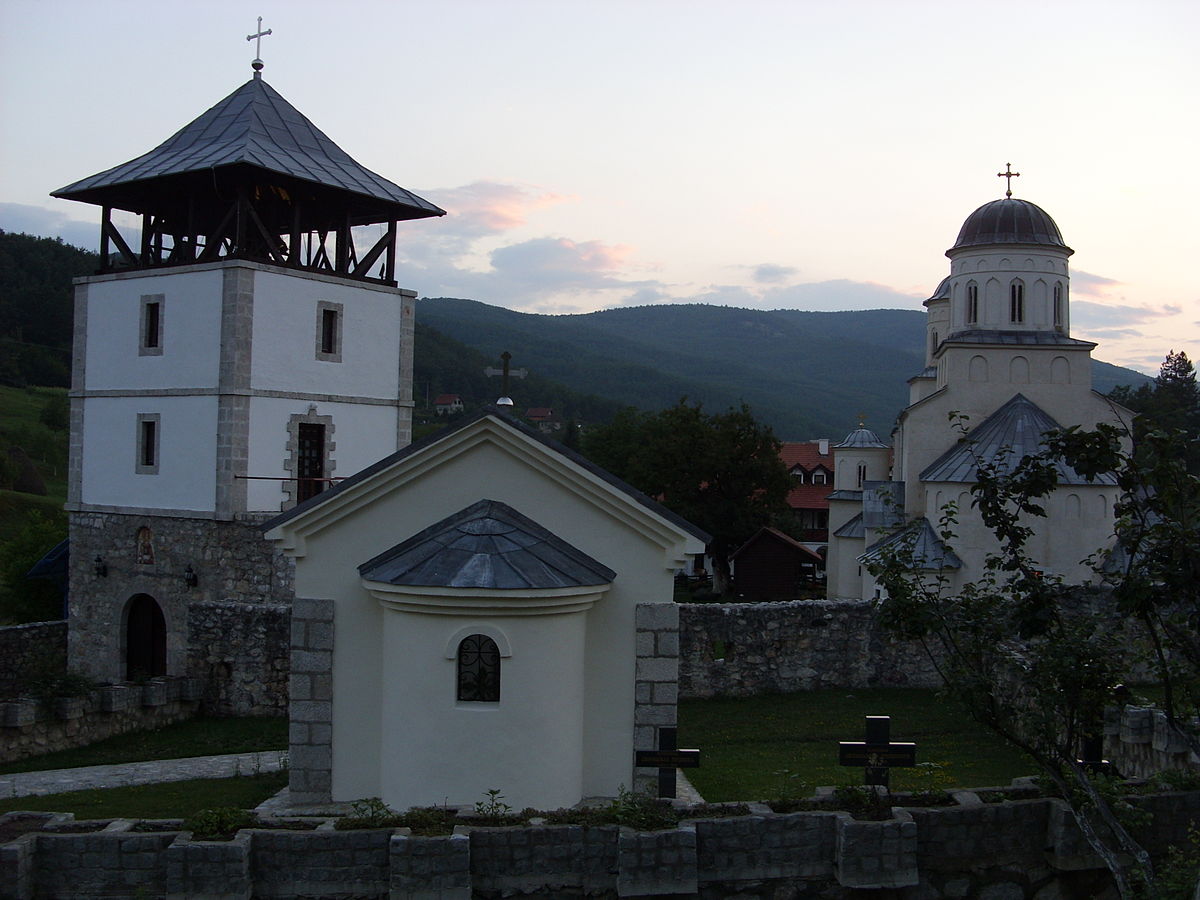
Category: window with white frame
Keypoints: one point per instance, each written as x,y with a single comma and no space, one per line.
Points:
148,437
150,331
330,326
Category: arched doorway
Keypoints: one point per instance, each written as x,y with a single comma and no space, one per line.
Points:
145,639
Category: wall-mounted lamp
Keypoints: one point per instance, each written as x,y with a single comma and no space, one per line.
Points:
189,577
99,568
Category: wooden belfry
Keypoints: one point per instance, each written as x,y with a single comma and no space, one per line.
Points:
254,179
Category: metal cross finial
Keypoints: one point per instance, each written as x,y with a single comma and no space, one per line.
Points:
257,38
1010,175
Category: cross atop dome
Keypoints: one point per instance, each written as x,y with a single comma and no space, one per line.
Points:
1007,173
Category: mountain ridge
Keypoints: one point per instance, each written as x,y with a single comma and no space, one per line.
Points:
803,372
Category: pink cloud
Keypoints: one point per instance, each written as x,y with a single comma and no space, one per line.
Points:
490,207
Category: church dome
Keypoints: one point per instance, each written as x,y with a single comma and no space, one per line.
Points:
862,437
1009,221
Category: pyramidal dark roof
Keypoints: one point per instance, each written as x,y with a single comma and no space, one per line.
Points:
487,545
919,547
1013,431
254,126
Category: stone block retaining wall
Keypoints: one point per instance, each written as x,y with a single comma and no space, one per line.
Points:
1015,850
744,649
26,648
29,727
1140,741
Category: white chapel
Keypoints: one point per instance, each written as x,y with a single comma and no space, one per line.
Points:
999,352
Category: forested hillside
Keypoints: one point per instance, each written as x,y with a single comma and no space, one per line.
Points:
35,308
807,374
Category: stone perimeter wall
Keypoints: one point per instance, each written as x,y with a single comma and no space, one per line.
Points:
745,649
1014,850
29,728
230,628
27,648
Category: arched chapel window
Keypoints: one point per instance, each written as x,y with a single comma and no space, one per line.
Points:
862,473
478,669
972,303
1016,302
1058,305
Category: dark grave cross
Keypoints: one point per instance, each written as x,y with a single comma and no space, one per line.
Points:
667,758
878,753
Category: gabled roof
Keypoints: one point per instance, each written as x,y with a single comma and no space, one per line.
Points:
450,432
853,528
1012,432
766,533
927,551
252,127
487,545
810,496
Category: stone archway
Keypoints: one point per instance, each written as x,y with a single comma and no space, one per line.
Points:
145,638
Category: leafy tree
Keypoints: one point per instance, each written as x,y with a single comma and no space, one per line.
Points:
720,471
1037,660
1170,403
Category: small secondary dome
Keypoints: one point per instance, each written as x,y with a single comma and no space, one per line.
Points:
862,437
1009,221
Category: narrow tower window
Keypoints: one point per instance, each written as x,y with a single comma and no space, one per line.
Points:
151,335
330,326
972,303
147,444
1058,305
1016,304
862,473
329,323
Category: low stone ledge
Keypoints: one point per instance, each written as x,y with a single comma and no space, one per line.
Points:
652,863
877,854
430,868
209,870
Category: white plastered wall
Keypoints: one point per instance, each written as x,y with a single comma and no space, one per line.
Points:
186,473
286,315
191,317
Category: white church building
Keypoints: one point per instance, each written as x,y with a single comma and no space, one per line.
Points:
999,353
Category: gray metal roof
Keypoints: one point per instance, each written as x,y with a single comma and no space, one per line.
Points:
254,126
843,494
883,504
994,336
862,437
925,549
1012,432
487,545
852,529
1009,221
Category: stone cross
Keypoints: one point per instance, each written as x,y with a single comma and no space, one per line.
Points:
667,758
1010,175
505,374
878,753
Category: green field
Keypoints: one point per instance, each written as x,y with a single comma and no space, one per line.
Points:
752,747
171,800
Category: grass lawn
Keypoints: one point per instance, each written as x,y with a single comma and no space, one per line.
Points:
750,747
172,800
195,737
